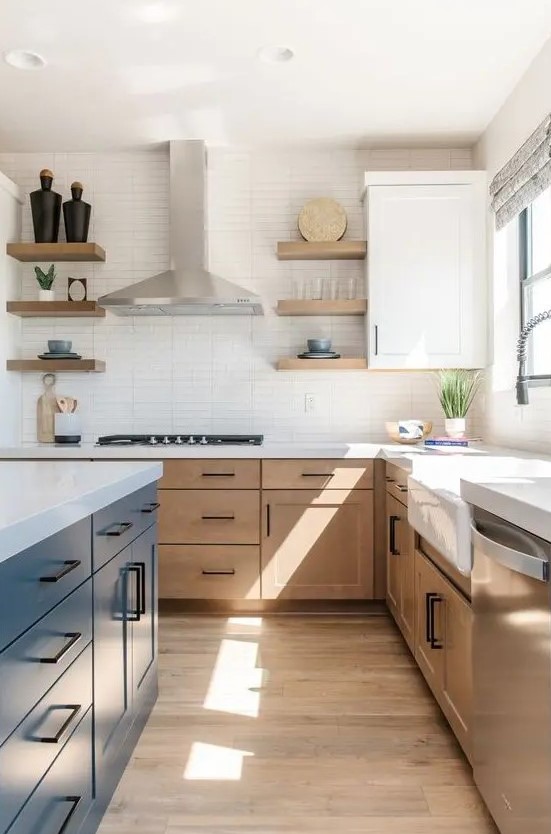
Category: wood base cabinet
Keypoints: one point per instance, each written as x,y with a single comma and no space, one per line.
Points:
317,544
400,568
443,646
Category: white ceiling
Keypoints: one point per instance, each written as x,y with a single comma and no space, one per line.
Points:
132,72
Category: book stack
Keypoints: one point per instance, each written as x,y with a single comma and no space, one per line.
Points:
450,441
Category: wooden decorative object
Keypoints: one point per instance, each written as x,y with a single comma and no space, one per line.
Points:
77,289
46,408
322,219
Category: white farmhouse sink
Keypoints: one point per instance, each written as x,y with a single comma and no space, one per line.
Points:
435,508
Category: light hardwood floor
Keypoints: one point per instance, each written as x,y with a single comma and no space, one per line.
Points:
293,724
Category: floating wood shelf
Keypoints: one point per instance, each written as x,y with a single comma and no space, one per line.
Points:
303,250
307,307
347,363
55,309
52,252
46,366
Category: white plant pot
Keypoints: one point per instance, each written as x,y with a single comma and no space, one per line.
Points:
46,295
455,426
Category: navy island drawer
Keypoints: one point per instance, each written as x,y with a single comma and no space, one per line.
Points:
32,664
36,743
119,524
35,580
63,798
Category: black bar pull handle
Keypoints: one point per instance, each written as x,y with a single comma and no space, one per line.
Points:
229,517
75,709
218,474
428,624
141,567
392,521
435,643
70,565
75,802
228,572
402,488
318,475
268,520
74,637
376,351
150,507
135,616
121,527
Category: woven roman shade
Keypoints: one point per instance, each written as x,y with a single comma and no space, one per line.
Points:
524,177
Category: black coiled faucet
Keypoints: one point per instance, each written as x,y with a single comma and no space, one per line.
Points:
522,379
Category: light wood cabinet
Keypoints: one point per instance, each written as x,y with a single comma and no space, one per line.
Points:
426,233
209,572
208,516
443,645
312,473
210,474
317,545
400,568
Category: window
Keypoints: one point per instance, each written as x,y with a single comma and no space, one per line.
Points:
535,280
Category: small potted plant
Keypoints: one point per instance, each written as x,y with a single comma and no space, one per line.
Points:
457,389
45,281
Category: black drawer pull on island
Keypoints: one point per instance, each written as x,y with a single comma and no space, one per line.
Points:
123,527
151,507
74,637
75,709
75,801
70,565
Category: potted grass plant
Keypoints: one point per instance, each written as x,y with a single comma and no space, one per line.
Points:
45,282
457,388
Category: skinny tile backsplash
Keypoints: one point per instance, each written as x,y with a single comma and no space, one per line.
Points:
216,374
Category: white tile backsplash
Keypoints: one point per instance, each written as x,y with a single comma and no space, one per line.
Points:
217,374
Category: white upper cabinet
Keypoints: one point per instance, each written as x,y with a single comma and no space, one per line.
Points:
426,267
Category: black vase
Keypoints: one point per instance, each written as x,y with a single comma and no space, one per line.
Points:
76,214
46,210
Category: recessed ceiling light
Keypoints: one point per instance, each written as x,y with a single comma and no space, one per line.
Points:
275,54
24,59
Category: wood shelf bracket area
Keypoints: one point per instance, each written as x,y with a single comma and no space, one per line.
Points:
303,250
343,364
55,309
323,307
45,366
56,252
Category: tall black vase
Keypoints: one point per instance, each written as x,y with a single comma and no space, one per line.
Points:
76,214
46,210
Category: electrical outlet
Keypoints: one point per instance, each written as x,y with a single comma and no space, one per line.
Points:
310,403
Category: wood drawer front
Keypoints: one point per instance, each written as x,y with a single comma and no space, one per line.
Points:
120,523
24,757
317,474
204,516
54,803
210,474
209,572
397,483
37,579
34,662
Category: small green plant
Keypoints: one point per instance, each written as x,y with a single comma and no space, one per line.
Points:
457,389
45,279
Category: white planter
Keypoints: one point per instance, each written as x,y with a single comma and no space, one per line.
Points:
46,295
455,426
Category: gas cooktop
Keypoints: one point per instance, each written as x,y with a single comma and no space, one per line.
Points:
181,440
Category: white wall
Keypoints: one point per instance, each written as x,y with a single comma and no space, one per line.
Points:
216,374
10,326
505,422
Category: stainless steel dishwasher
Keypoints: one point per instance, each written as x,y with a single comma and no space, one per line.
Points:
512,674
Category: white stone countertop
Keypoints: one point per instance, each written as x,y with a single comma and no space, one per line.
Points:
38,500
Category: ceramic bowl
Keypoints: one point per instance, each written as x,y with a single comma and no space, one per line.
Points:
59,345
408,431
319,345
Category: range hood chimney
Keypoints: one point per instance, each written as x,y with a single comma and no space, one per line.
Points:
187,288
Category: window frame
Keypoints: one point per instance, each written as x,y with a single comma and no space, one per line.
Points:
528,278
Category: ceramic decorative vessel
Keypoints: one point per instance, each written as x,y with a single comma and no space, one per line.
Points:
46,295
76,214
455,426
46,210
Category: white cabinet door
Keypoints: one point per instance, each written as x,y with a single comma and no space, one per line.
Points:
426,275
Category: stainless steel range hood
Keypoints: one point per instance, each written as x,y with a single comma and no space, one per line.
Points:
187,288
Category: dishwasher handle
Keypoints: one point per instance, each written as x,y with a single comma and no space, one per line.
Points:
510,558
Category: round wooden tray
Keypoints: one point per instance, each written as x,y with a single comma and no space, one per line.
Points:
322,219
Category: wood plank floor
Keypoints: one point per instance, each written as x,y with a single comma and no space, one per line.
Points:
293,725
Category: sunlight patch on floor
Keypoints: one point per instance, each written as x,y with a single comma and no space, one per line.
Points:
211,761
234,675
